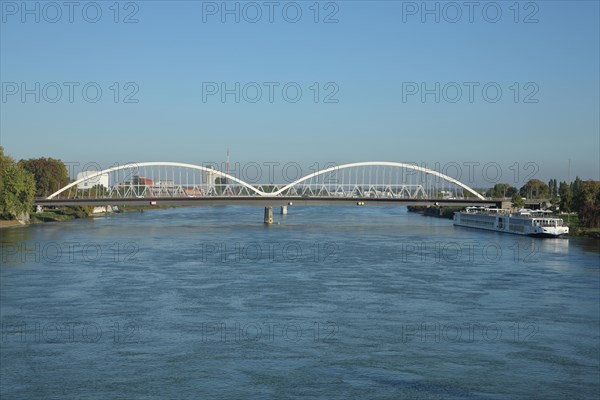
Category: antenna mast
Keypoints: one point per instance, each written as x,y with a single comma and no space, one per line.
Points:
227,163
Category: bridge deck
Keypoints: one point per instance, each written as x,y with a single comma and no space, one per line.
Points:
264,201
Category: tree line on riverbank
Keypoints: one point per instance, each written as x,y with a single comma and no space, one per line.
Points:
581,197
22,181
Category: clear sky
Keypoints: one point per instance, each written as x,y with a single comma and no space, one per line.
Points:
374,58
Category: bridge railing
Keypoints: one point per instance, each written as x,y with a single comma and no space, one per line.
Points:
229,190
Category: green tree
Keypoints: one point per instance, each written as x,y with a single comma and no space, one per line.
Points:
575,189
469,195
586,201
49,174
98,191
553,191
534,189
17,188
268,188
517,200
501,190
566,196
552,188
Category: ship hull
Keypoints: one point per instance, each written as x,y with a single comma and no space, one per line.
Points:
516,225
537,235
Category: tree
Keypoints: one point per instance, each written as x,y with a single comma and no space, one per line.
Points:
534,189
517,200
17,188
586,201
552,188
502,190
566,196
98,191
49,174
575,189
469,195
553,191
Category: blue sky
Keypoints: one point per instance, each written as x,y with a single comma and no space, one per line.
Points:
367,61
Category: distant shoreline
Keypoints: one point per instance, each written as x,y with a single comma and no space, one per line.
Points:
69,214
435,212
448,213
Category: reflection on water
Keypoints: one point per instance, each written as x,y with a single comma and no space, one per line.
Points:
329,303
587,244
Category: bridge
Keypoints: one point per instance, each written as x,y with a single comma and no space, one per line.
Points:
180,184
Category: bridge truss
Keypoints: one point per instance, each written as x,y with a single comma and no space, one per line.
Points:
154,180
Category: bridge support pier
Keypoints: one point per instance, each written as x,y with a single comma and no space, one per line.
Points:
268,215
283,210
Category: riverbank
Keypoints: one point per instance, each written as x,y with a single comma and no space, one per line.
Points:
437,212
571,220
575,228
59,215
63,214
13,223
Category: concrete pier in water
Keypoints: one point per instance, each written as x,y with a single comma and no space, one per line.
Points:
268,215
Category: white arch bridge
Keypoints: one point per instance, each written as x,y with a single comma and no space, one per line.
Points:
173,183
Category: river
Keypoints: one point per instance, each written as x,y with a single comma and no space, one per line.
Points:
327,303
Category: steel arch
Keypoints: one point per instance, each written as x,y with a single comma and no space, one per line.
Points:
154,164
380,163
280,191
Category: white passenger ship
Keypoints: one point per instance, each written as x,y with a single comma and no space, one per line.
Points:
524,222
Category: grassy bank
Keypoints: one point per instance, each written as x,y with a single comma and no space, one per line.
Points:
575,228
59,214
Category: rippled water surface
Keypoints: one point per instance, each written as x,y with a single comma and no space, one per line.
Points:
326,303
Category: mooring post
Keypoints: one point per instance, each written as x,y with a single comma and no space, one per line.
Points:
283,210
268,215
